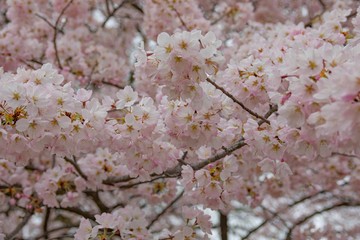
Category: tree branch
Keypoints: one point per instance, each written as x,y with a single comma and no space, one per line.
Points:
227,151
343,204
56,32
278,213
19,227
46,222
44,236
312,20
181,20
237,101
176,171
49,23
112,84
127,186
95,196
79,212
112,13
165,209
77,168
223,226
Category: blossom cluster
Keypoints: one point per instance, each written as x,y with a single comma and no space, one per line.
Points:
104,139
180,62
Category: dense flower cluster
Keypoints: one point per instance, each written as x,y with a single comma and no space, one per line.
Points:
221,105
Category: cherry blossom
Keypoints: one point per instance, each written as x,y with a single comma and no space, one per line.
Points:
134,119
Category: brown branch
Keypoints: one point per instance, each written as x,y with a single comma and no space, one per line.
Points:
76,166
56,32
79,212
237,101
168,173
256,228
165,209
44,236
176,171
36,61
113,180
322,4
278,213
306,198
182,160
137,7
107,4
344,155
275,215
49,23
305,219
218,19
223,226
180,18
312,20
112,84
96,198
272,109
90,75
27,64
227,151
46,222
139,183
112,13
18,228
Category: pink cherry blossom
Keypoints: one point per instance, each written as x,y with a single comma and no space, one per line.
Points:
135,119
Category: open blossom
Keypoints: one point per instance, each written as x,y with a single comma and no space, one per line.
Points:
83,95
85,231
282,169
204,152
94,111
267,165
127,98
106,220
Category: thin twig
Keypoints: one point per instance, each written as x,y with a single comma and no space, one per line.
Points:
113,13
49,23
96,198
312,20
239,144
345,155
79,212
165,209
76,166
44,236
137,7
272,109
181,20
182,160
127,186
275,215
278,213
56,32
18,228
237,101
27,64
112,181
176,171
90,76
46,222
107,7
343,204
112,84
306,198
